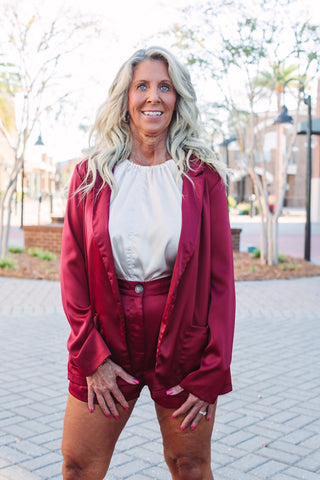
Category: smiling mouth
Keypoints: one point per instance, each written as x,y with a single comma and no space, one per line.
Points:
153,114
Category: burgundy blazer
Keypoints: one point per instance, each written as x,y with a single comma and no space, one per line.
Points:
196,335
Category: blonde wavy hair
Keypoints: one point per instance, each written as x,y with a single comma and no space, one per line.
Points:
111,130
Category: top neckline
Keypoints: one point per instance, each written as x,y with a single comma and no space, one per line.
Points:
158,165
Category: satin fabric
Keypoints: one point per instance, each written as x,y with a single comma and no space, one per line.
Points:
143,314
195,340
145,220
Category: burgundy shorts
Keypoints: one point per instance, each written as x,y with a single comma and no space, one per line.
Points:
143,304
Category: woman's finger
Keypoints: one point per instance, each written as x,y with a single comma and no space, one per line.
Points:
174,390
103,404
103,383
210,411
91,395
195,415
126,376
120,398
186,406
191,419
193,409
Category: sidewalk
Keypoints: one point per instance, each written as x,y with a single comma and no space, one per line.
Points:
267,428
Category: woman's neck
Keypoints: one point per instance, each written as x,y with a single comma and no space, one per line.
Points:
149,151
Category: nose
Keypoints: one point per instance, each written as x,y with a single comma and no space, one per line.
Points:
153,94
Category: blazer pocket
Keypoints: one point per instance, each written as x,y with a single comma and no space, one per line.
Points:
194,341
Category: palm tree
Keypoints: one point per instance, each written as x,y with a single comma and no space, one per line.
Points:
277,78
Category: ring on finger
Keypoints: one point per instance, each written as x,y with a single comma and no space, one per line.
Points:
202,413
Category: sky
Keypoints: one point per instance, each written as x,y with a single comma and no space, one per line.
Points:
126,26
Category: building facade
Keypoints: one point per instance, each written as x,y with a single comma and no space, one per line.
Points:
240,184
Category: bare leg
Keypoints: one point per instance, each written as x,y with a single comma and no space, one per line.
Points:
89,440
187,453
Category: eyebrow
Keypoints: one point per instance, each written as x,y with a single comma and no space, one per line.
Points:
166,80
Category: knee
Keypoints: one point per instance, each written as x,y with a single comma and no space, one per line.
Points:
74,470
71,469
190,467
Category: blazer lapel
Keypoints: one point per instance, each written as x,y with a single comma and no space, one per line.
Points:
100,227
191,220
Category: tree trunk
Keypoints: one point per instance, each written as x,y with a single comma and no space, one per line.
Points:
263,239
5,219
269,238
7,229
275,231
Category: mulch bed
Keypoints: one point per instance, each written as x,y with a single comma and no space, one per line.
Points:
246,268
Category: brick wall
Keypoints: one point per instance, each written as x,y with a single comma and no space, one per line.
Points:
235,232
47,237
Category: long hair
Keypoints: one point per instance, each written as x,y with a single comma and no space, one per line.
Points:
111,133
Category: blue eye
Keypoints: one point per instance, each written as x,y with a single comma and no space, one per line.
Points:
142,86
164,88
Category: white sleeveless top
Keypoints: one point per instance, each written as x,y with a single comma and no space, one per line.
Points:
145,220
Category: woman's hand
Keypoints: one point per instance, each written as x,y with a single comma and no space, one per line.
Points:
191,408
103,384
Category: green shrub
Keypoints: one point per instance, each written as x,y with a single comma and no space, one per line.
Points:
256,253
290,266
42,254
232,203
16,250
7,264
243,208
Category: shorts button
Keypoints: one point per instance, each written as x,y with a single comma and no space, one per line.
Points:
138,288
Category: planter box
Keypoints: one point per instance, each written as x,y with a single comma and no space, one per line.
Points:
47,237
235,233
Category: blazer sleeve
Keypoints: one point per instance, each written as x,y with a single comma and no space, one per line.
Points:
86,346
213,377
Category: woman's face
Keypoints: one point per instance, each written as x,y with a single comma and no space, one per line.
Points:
151,99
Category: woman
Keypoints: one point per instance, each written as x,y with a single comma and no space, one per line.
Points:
147,274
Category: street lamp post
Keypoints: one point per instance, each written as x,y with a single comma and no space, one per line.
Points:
22,191
225,143
307,241
40,143
281,119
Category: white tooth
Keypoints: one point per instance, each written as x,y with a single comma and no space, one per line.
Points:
153,114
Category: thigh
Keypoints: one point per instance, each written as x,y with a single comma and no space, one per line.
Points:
185,449
89,438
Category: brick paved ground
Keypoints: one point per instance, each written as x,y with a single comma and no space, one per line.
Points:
268,428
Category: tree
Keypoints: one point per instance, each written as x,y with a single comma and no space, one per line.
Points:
277,78
31,74
247,60
8,85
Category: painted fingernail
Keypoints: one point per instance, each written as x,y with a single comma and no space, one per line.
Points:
193,427
208,419
91,410
136,381
126,408
108,415
116,417
169,392
182,428
173,416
